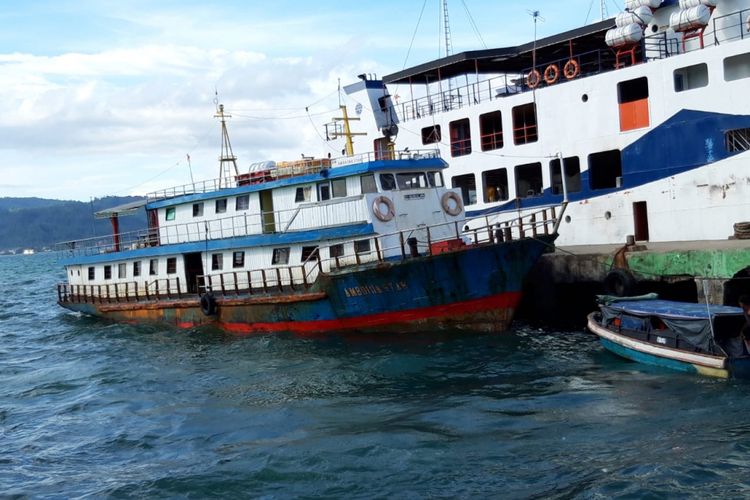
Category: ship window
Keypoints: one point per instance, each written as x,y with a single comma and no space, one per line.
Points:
217,261
524,124
737,140
324,191
122,270
460,137
435,179
431,135
468,186
92,273
198,209
336,250
221,206
136,268
338,188
632,96
153,267
171,265
280,256
169,214
491,130
107,272
495,184
242,202
737,67
309,253
690,77
528,180
238,259
572,175
387,182
413,180
302,194
605,169
367,183
362,246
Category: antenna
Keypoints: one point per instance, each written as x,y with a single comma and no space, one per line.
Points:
227,160
535,15
447,30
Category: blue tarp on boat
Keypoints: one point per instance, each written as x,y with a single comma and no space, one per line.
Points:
671,309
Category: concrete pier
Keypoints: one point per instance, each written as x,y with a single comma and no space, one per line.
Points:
562,288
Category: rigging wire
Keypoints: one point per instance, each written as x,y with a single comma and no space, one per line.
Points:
414,35
473,24
591,6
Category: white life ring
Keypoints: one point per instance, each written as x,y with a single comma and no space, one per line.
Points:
454,208
383,208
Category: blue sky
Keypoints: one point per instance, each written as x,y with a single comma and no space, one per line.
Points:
108,97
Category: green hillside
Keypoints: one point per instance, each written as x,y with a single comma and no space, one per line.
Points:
38,223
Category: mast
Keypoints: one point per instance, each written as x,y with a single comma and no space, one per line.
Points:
227,160
447,30
603,9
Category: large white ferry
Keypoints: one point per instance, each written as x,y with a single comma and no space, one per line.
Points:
645,118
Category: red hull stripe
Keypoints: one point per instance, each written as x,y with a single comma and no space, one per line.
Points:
508,300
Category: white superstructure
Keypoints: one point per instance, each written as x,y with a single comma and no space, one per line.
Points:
653,132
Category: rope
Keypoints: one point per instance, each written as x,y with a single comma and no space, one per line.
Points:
742,230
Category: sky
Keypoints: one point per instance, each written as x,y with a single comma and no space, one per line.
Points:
103,97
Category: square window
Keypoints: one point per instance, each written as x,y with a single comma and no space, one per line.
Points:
435,179
605,169
460,137
153,267
572,175
309,253
198,209
170,213
221,206
737,67
529,180
122,270
238,259
336,250
491,130
242,202
468,186
367,184
387,182
431,135
171,265
302,194
217,261
324,191
691,77
107,272
361,246
495,185
524,124
136,268
280,256
92,273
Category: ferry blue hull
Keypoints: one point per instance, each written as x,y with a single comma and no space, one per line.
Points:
477,288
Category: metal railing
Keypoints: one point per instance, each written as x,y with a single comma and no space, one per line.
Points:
128,291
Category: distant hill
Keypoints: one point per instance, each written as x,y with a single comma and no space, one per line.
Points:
38,223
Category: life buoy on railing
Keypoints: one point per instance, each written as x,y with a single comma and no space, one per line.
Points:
383,208
208,304
571,69
452,203
533,79
551,74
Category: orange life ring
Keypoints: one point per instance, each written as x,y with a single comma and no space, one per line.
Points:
572,69
384,214
551,74
533,79
457,206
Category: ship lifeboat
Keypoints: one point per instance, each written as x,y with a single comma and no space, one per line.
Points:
641,16
687,4
690,19
627,35
634,4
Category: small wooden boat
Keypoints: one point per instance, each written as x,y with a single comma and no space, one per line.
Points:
698,338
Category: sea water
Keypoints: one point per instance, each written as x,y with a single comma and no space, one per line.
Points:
92,408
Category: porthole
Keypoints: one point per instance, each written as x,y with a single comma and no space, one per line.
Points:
567,219
585,98
607,215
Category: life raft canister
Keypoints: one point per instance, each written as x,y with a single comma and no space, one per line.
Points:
452,204
383,208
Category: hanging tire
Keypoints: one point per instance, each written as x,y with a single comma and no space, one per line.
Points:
620,283
208,304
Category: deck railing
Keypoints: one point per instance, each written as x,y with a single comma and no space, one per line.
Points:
401,245
724,28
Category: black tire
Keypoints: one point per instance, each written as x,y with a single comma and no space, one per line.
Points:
208,304
619,282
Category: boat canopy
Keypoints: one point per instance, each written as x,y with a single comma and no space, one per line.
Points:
692,321
130,208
